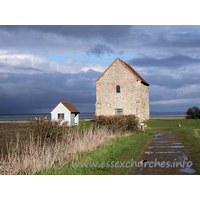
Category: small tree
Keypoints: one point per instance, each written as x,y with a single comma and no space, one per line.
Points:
193,113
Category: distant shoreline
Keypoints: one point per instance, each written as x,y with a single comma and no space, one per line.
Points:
91,119
86,116
167,117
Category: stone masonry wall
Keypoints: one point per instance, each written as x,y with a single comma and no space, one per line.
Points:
133,98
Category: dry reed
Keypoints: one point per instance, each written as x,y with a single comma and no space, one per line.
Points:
29,156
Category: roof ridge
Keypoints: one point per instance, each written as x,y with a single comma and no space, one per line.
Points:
69,106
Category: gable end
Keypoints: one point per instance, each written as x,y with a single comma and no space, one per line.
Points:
128,67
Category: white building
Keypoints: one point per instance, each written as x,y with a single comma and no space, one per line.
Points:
66,112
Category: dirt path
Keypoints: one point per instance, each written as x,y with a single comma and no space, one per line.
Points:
165,155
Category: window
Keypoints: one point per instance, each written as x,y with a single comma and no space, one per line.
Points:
117,89
60,115
118,111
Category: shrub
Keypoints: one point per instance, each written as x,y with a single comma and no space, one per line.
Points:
193,113
46,130
118,123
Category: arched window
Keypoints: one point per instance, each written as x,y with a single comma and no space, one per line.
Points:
117,89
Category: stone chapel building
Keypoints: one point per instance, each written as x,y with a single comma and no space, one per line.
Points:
120,90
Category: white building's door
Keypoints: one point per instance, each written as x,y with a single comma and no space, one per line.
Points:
72,119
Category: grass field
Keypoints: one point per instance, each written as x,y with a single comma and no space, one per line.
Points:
120,148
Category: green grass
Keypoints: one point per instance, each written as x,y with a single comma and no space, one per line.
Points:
84,124
172,124
126,148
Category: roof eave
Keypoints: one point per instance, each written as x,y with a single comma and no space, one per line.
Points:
145,83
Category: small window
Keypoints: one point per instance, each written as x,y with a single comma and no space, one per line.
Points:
117,89
118,111
60,115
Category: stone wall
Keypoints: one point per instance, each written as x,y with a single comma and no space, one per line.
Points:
133,97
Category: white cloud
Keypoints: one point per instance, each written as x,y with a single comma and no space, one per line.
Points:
94,67
188,91
33,64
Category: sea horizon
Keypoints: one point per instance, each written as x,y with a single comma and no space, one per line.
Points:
83,115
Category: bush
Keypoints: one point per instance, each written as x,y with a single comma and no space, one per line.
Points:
193,113
46,130
118,123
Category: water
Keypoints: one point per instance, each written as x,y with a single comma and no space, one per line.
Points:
181,159
167,147
167,114
160,152
188,170
26,117
175,142
158,134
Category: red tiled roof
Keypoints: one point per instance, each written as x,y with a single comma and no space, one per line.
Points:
70,107
127,66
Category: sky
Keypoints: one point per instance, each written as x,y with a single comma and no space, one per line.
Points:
43,65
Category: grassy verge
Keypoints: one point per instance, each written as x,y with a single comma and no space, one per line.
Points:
84,124
118,149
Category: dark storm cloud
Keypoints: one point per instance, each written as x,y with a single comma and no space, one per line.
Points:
173,61
87,38
170,82
187,40
26,69
18,68
100,49
132,37
82,31
23,93
58,39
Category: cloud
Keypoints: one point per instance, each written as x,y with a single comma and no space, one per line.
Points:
167,57
176,101
80,39
178,40
163,93
100,49
83,31
25,93
34,64
173,61
170,80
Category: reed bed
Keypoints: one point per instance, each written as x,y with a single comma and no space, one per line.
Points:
35,154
